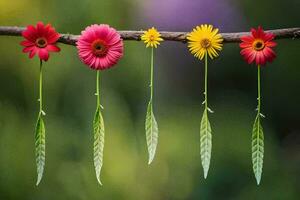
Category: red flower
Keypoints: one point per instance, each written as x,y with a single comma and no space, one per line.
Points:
258,47
40,40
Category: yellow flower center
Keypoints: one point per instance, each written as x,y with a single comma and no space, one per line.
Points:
258,45
205,43
41,42
99,48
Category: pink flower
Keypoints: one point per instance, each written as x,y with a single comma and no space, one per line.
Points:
40,40
100,46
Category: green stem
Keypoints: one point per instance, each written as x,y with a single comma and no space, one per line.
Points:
205,84
151,78
97,88
258,88
41,87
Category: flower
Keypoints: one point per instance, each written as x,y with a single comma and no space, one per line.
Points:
151,37
100,46
258,47
205,39
40,40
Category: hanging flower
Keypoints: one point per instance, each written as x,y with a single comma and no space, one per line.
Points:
202,41
100,46
151,38
205,39
40,40
257,47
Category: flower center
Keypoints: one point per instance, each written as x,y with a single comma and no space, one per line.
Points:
258,45
152,38
205,43
41,42
99,48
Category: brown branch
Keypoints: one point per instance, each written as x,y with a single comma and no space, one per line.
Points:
70,39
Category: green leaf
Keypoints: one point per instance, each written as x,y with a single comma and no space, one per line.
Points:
257,148
40,148
98,126
205,142
151,132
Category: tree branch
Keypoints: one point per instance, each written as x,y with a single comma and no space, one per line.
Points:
70,39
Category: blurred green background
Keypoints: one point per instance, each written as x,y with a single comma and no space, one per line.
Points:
176,172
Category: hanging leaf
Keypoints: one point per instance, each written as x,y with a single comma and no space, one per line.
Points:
40,148
151,132
257,148
205,142
98,126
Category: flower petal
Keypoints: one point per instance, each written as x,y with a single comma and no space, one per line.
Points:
271,44
27,43
53,37
52,48
247,38
30,33
28,49
33,52
40,29
43,54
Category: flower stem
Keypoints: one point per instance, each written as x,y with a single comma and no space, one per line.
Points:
205,84
41,87
151,78
258,89
97,88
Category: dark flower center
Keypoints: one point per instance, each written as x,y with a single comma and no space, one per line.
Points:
258,45
41,42
99,48
205,43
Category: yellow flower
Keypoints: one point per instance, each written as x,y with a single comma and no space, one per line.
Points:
203,40
151,37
